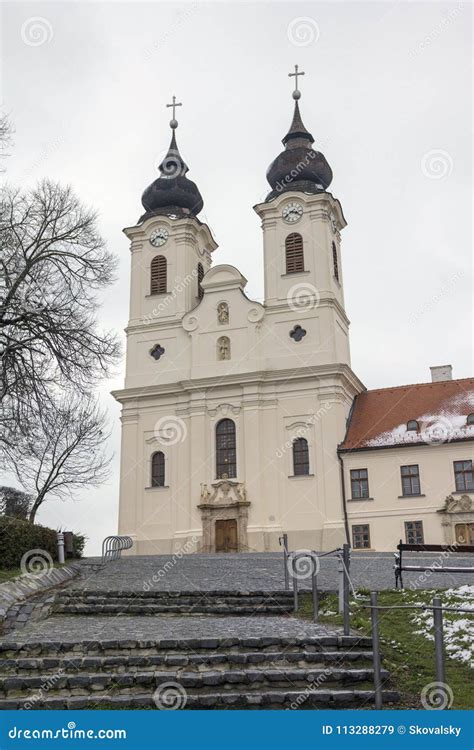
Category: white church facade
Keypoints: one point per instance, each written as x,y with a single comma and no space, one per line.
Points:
236,415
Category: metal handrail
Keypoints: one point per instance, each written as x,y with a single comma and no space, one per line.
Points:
112,547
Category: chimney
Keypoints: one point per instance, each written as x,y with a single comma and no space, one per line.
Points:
441,372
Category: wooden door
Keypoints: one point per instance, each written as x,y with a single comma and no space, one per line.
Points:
465,533
226,535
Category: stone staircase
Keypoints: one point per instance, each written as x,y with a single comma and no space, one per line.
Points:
161,654
203,673
95,603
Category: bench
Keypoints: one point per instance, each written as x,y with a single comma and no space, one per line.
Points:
399,566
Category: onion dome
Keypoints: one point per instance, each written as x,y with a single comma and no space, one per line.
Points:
172,193
299,167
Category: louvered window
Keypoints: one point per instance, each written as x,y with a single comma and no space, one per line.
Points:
158,282
294,253
200,276
334,261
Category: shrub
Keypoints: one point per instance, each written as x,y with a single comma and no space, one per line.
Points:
18,536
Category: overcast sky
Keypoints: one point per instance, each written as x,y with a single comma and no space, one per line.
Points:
387,95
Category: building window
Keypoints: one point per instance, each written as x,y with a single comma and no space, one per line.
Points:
412,425
200,276
470,419
226,454
158,469
158,281
410,480
300,457
464,476
359,483
414,532
335,264
361,536
294,253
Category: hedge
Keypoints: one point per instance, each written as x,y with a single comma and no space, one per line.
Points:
18,536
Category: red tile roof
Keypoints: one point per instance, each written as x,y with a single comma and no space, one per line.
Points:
379,417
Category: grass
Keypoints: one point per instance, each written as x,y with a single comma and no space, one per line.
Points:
410,658
11,573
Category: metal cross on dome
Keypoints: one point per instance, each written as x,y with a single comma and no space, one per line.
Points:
296,92
174,104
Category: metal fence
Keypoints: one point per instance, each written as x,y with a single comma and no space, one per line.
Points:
112,547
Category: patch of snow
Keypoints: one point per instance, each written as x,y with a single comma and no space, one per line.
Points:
458,627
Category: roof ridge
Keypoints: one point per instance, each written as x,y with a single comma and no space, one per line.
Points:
414,385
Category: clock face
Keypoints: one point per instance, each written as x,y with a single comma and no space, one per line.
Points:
159,236
292,212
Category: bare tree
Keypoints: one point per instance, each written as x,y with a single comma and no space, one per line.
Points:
52,263
62,453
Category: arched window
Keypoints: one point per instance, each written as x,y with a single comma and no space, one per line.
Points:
200,276
158,281
470,419
226,455
294,253
158,469
412,425
300,457
335,264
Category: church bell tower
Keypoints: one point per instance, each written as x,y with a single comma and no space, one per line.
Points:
302,224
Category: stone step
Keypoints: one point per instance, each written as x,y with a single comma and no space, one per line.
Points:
268,699
193,682
133,647
162,609
141,663
76,594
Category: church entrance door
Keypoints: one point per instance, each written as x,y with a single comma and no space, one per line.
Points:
226,535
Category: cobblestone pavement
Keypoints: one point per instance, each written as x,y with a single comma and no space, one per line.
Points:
258,571
79,628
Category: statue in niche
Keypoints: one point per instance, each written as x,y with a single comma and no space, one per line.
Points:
223,348
223,313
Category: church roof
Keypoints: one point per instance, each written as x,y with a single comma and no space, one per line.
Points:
379,418
299,167
172,193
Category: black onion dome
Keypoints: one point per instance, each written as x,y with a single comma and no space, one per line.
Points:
299,167
172,192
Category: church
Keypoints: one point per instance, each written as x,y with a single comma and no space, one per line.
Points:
242,421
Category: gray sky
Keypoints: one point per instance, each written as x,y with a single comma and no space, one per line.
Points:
387,95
